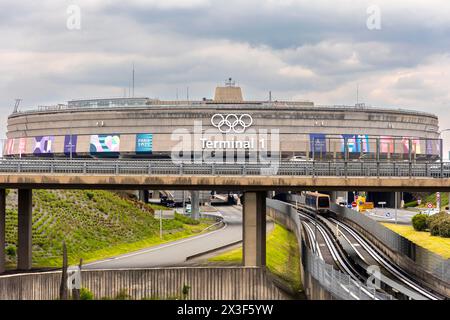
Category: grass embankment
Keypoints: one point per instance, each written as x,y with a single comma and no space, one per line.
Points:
282,258
94,225
431,198
438,245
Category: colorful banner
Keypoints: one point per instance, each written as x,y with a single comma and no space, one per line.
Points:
355,143
317,142
70,144
144,143
386,144
22,145
433,147
103,143
415,145
9,147
43,145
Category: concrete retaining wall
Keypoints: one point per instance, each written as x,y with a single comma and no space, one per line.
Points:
229,283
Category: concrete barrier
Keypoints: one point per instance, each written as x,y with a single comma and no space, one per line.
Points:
216,283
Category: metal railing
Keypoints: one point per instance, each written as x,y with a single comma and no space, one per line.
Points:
340,285
337,283
276,168
431,262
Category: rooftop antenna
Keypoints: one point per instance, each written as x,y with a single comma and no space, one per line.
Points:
187,93
177,94
357,93
270,96
16,105
230,82
133,81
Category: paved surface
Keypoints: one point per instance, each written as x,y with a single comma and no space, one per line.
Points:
388,215
175,253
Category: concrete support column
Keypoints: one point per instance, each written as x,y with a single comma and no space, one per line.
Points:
24,251
2,229
254,229
144,195
195,204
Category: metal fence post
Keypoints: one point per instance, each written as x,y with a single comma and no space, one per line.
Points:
345,169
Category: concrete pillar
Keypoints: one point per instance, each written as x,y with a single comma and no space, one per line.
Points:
2,229
144,195
24,252
195,204
254,229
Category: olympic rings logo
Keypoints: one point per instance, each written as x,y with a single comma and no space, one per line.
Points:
226,123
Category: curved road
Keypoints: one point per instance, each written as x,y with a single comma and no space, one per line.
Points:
175,253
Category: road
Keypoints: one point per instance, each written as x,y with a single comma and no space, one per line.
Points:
388,215
175,253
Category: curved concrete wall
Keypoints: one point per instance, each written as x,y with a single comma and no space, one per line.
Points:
295,123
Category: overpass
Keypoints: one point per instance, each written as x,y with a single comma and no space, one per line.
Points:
254,179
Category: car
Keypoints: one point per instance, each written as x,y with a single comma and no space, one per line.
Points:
300,158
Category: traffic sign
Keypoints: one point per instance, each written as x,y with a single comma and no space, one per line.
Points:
429,205
354,204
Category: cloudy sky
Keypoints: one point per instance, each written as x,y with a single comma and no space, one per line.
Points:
299,49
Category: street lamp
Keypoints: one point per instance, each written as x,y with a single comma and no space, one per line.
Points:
442,152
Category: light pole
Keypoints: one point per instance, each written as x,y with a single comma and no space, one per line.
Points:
442,152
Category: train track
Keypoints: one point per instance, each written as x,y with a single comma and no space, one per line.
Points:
353,254
339,258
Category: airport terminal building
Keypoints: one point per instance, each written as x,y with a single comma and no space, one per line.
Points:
144,128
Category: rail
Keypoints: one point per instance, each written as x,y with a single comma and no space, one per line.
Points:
274,168
337,283
431,262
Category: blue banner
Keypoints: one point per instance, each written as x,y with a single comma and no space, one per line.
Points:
318,143
144,143
70,144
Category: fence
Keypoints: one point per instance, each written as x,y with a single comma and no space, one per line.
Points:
338,284
431,262
269,168
224,283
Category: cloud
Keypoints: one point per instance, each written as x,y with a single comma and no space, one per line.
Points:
298,49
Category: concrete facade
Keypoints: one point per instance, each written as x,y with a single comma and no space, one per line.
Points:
24,245
296,122
227,283
224,182
254,229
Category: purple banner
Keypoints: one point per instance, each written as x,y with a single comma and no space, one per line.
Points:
70,144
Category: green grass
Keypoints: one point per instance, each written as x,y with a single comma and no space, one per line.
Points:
438,245
94,224
282,258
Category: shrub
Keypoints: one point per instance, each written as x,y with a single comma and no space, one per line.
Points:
90,195
11,250
444,227
434,221
419,222
186,219
122,295
439,224
85,294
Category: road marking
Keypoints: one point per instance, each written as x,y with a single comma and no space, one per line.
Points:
158,248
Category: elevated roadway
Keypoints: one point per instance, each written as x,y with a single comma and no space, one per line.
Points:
151,174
